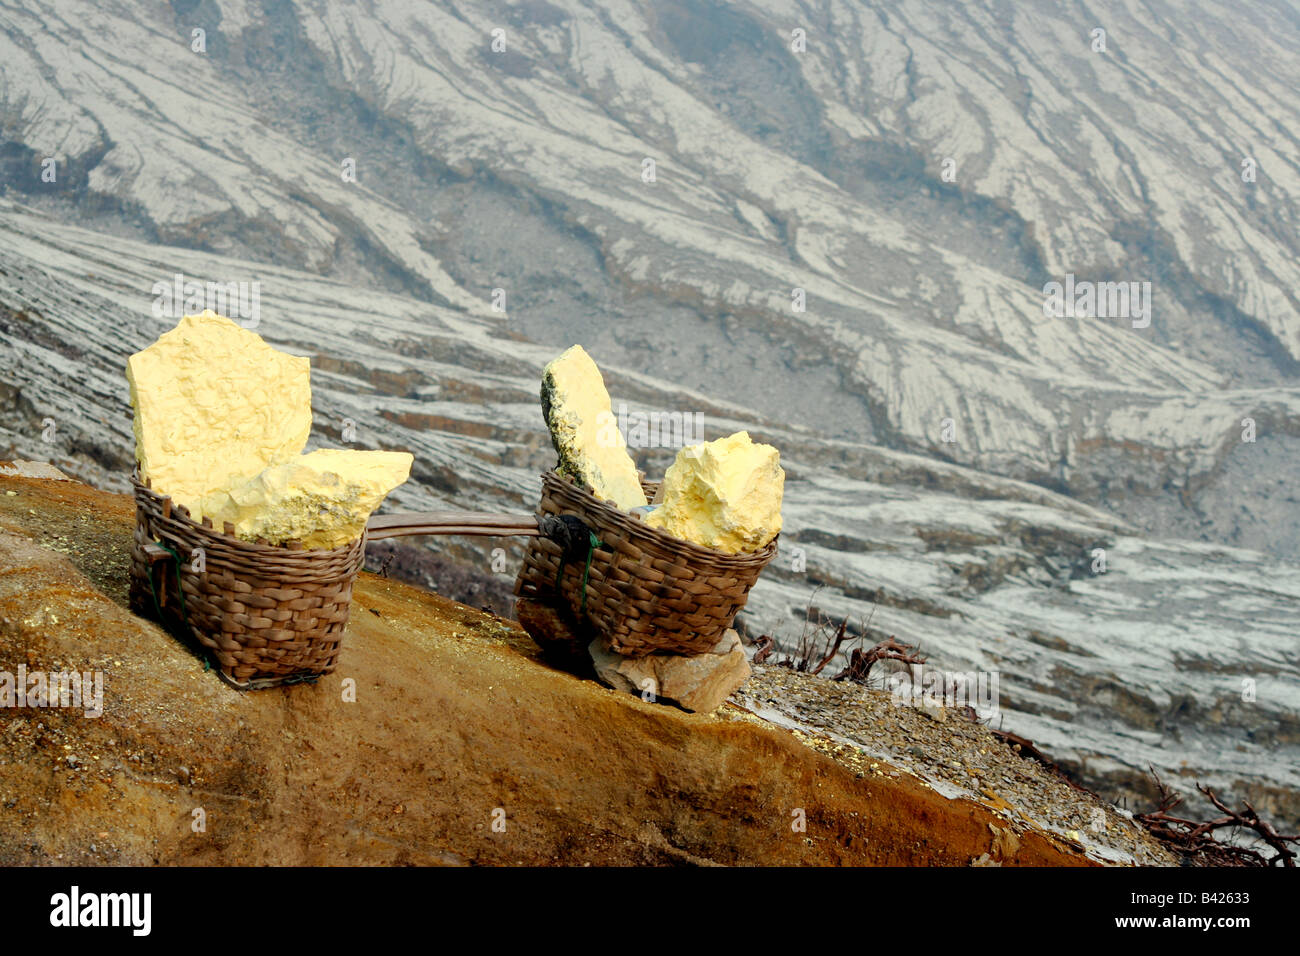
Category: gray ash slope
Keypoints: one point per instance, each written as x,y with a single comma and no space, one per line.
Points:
522,171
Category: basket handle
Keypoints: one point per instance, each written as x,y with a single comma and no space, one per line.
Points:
570,532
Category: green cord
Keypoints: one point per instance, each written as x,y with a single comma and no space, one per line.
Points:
592,544
180,591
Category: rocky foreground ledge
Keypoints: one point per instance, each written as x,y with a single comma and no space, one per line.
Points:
462,747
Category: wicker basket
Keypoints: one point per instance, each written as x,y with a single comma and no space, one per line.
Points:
267,615
641,590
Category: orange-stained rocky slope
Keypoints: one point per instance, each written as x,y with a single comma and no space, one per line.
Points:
455,716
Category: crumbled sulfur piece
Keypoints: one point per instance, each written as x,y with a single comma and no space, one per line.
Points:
723,494
322,499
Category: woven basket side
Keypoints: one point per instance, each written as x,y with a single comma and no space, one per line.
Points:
645,590
264,613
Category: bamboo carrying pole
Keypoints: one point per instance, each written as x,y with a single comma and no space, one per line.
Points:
450,522
569,532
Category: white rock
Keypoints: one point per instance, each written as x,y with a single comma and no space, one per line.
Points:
700,682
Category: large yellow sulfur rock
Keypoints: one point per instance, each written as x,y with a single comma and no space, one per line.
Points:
322,499
585,432
214,406
724,494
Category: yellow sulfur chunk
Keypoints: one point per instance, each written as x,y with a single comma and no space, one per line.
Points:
585,432
214,405
323,499
724,494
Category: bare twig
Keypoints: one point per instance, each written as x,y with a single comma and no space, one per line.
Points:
890,649
1197,840
834,647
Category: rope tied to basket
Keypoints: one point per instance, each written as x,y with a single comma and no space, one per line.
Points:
592,545
180,591
573,536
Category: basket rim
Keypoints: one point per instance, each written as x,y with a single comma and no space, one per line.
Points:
143,488
636,525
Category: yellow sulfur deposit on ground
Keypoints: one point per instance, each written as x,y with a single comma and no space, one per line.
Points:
585,432
221,419
323,499
214,405
724,494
